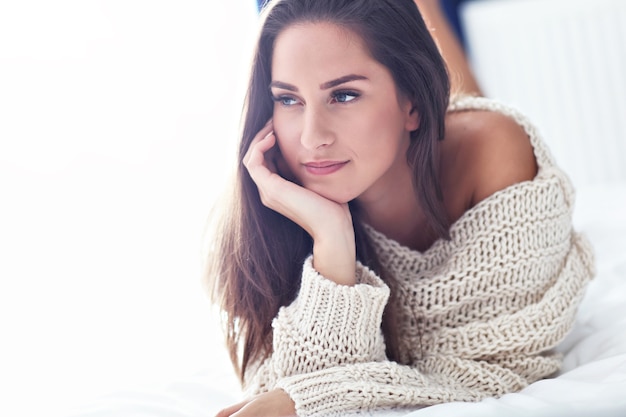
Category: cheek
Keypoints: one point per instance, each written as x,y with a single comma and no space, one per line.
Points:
287,136
380,128
386,141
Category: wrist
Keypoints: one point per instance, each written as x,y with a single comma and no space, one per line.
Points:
334,255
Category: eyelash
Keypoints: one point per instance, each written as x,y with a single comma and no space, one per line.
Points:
345,93
282,98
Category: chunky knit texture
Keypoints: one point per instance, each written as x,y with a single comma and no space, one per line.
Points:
478,317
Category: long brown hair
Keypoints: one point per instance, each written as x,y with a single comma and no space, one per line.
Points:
255,263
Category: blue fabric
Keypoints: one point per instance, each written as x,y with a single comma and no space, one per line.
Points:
261,3
451,7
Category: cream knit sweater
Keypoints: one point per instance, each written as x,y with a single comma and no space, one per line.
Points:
489,305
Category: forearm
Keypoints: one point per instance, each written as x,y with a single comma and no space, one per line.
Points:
462,79
326,325
359,387
334,255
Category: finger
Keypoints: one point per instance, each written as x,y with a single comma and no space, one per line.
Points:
258,160
261,134
227,412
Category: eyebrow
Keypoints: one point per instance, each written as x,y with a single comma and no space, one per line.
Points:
341,80
323,86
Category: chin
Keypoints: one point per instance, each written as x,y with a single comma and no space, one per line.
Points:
338,196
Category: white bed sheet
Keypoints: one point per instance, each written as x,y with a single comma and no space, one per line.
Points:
592,381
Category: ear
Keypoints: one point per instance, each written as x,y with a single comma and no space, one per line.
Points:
412,116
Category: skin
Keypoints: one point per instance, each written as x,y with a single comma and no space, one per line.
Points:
363,125
461,77
275,403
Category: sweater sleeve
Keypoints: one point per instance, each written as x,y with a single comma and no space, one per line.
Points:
329,356
325,326
330,324
332,363
362,387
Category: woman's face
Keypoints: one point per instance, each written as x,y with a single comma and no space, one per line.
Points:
341,126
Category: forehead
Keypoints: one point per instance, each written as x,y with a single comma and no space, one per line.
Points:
319,50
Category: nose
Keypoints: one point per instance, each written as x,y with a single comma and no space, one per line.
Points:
316,130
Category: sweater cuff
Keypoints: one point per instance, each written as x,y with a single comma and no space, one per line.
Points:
329,324
349,389
318,394
325,305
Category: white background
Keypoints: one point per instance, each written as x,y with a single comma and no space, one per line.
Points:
117,119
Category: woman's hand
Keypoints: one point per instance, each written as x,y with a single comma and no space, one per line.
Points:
329,223
276,403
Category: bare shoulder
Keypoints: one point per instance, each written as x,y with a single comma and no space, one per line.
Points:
490,151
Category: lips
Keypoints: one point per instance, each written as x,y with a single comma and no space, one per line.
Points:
324,167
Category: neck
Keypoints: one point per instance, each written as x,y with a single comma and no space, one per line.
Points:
393,209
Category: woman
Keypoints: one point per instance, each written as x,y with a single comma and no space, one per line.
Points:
384,247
